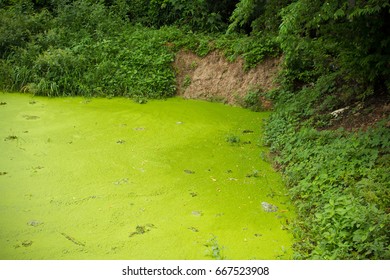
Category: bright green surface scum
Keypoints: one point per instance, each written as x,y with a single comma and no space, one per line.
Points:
112,179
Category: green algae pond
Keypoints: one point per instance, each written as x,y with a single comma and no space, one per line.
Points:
113,179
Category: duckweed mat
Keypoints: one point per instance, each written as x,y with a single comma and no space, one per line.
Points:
112,179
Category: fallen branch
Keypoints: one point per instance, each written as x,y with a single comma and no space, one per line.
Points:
70,238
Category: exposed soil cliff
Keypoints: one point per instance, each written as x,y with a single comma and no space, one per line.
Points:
214,78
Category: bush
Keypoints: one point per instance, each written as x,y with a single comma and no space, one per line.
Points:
18,24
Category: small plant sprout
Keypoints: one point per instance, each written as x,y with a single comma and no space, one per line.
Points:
233,139
214,249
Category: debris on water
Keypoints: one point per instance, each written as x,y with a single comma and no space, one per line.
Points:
254,173
10,138
247,131
142,229
193,194
36,168
29,117
179,122
193,229
139,128
72,239
34,223
268,207
27,243
232,179
197,213
189,171
121,181
151,225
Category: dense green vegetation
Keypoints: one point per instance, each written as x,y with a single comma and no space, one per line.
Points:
91,49
336,54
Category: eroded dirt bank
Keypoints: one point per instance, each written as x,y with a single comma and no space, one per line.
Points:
214,78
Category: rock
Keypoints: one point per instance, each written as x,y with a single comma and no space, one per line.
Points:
268,207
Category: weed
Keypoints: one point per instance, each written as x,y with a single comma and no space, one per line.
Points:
193,65
233,139
253,100
214,250
140,99
187,81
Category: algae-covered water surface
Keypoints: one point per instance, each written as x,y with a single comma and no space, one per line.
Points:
112,179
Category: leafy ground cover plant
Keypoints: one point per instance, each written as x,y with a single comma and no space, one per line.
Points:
340,184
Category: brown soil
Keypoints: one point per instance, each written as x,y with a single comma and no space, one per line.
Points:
214,78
